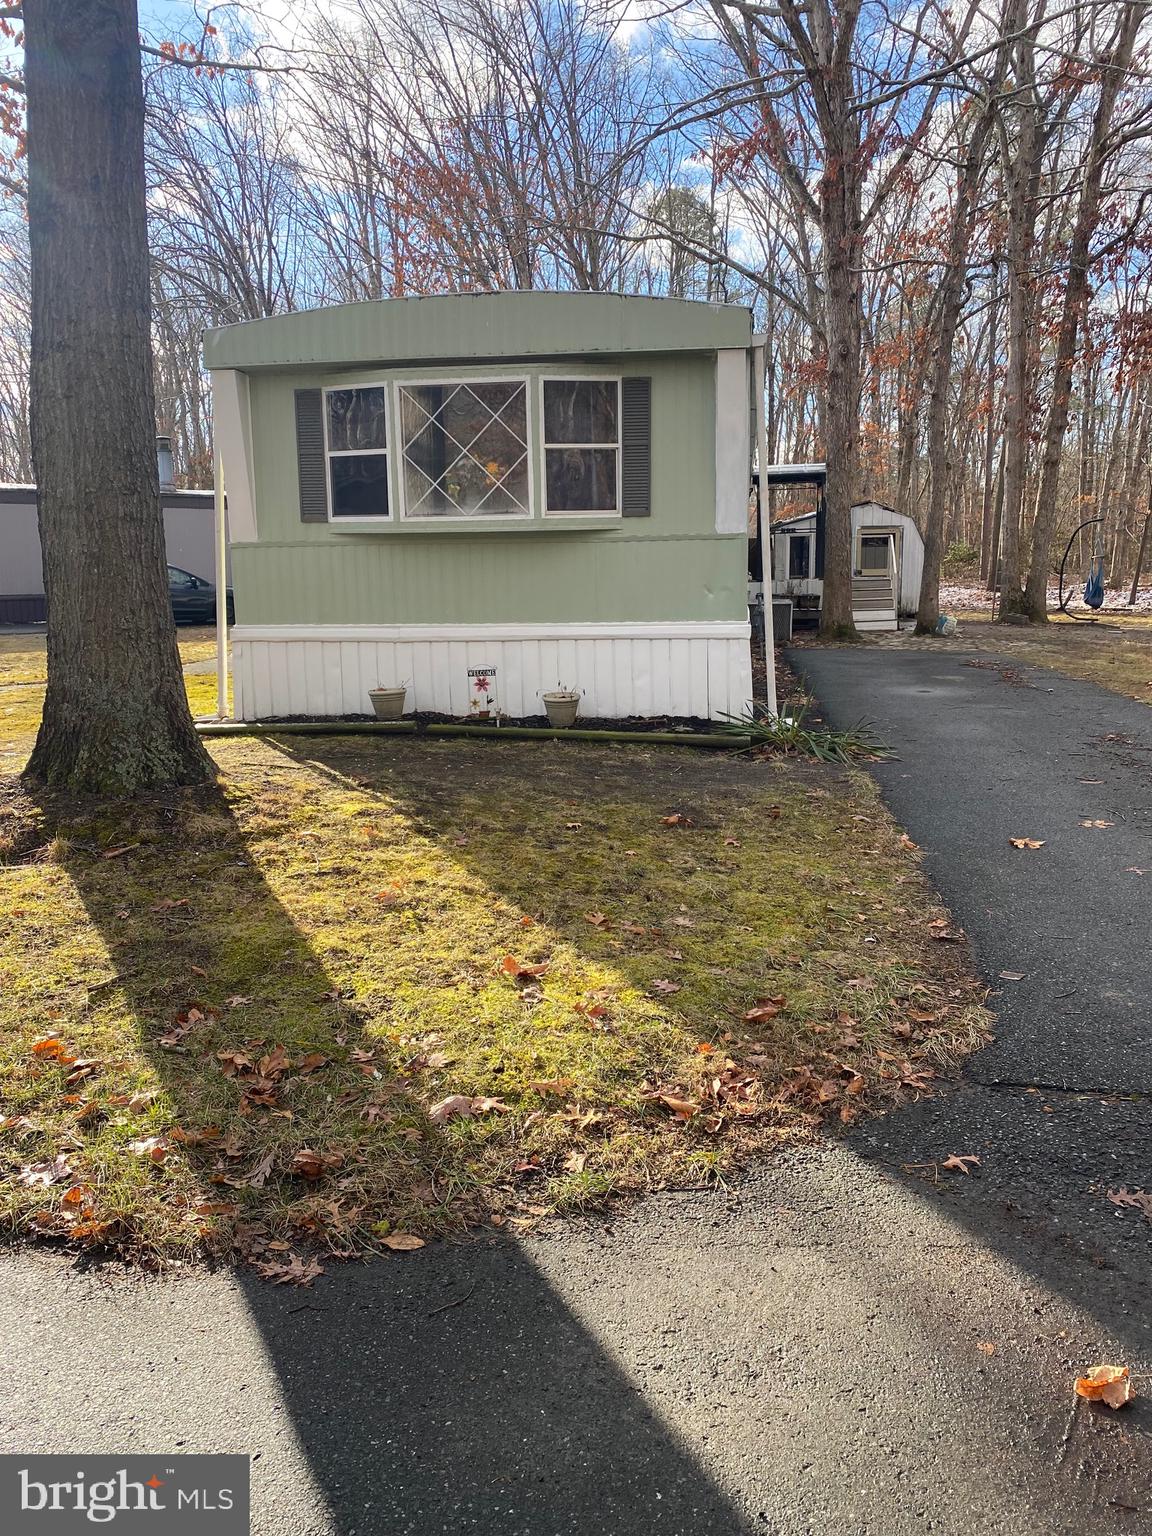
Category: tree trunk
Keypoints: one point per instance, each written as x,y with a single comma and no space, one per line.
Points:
1115,74
116,717
952,291
840,232
1021,185
988,492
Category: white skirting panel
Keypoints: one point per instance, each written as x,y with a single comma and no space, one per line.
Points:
624,669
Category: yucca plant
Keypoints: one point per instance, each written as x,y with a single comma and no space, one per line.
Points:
791,736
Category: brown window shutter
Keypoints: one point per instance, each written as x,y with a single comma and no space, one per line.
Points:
636,447
310,461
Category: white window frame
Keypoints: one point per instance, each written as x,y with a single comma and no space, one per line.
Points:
579,378
371,519
488,520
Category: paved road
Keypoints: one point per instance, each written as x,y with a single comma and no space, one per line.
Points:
831,1346
984,758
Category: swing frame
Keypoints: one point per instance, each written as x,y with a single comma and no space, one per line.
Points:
1066,597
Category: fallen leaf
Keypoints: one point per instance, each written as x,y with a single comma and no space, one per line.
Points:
553,1085
1109,1384
53,1050
1025,842
575,1161
986,1347
402,1242
1097,823
41,1175
906,841
296,1271
168,904
155,1148
1136,1199
666,988
1011,975
519,970
114,853
314,1165
458,1104
258,1177
461,1106
683,1109
961,1163
597,919
676,820
731,842
766,1008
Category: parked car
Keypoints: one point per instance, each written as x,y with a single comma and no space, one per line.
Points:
194,599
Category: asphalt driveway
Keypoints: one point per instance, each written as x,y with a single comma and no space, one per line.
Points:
850,1341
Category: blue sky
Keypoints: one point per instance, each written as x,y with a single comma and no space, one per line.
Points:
161,18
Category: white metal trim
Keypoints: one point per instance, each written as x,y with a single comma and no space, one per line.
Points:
732,446
232,419
705,629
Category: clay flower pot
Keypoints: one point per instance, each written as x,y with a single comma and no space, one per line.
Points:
562,707
388,702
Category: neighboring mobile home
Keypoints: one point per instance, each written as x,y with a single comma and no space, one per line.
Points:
887,564
551,485
189,521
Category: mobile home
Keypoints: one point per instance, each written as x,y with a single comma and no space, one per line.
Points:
541,487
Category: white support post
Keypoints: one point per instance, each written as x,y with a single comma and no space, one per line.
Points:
759,381
221,589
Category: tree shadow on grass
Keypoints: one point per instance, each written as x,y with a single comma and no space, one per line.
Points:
498,1414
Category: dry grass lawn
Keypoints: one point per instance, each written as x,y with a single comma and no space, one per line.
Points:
367,991
1116,652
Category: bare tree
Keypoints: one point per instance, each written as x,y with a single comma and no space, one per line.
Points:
116,717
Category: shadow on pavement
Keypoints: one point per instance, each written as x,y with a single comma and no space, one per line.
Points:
456,1391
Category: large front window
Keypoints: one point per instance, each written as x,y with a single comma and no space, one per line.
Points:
358,452
465,449
582,445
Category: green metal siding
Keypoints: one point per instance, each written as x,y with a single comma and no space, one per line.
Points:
561,578
478,326
669,566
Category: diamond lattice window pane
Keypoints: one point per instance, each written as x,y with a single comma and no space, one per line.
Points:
465,449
